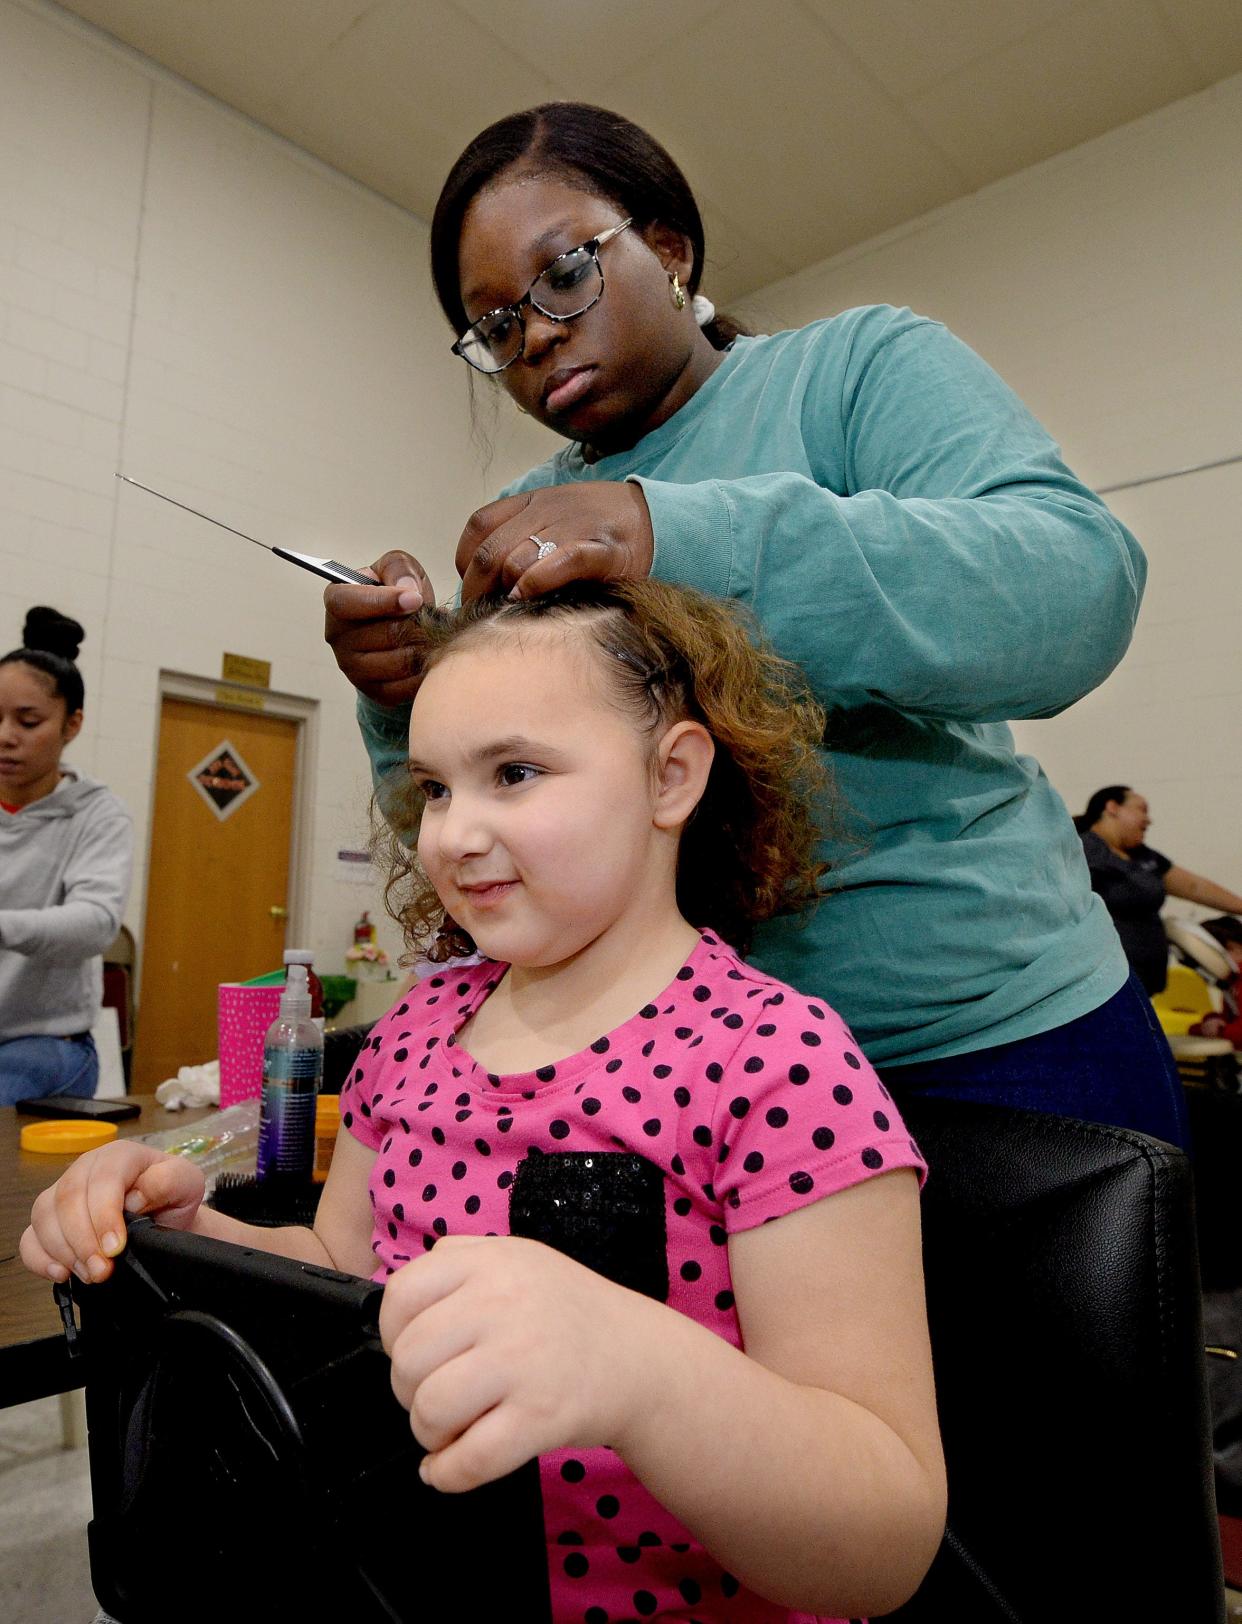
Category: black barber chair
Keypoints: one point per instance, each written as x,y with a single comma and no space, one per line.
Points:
1063,1295
1064,1304
340,1050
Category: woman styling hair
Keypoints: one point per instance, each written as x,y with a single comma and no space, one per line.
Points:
904,532
66,848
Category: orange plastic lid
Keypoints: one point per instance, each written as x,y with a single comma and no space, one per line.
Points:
66,1136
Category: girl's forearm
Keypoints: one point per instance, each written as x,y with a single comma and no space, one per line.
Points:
300,1244
806,1497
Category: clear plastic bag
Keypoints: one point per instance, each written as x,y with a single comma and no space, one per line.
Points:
221,1142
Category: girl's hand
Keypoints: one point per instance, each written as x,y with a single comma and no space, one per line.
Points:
502,1349
364,626
79,1223
602,533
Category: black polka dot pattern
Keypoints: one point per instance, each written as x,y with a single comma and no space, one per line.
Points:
751,1099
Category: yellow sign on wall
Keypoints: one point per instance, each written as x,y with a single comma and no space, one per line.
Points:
241,698
241,668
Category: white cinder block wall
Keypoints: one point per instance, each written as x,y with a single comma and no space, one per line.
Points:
1105,286
185,297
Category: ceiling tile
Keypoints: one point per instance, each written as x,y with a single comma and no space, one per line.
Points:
1088,73
809,124
394,101
242,51
770,119
909,45
1210,32
586,48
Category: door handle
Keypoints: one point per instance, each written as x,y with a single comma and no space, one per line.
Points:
277,912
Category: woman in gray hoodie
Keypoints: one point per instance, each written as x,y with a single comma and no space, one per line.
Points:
66,848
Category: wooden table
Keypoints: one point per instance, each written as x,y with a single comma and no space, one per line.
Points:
33,1358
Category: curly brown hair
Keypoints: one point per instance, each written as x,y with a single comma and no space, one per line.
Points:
749,850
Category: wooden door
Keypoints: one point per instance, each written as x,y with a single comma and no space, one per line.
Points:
218,881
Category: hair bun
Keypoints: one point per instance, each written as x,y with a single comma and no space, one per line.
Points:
53,633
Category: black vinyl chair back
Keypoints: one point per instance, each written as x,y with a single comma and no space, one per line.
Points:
341,1048
1063,1297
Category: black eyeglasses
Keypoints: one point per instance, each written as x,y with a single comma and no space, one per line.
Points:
567,288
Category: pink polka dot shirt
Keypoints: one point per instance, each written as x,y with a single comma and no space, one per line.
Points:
728,1101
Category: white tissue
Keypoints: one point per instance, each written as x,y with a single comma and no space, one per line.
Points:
193,1085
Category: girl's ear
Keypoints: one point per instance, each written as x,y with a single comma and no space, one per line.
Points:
72,727
683,763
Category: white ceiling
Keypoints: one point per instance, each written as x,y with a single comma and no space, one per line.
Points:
803,125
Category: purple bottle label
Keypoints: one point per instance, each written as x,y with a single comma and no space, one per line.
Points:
287,1113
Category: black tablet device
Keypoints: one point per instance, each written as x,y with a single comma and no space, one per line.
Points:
250,1462
75,1106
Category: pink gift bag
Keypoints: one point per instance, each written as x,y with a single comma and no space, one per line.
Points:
244,1015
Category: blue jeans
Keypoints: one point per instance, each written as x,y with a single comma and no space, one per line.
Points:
1112,1065
33,1067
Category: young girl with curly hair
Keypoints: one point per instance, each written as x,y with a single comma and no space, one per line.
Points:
641,1210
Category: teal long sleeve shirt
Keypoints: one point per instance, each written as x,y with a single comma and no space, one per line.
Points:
908,534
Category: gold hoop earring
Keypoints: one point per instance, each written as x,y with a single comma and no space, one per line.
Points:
678,292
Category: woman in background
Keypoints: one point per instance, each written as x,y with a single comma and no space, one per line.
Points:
1133,879
66,847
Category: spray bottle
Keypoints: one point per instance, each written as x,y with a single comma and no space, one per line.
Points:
292,1072
303,955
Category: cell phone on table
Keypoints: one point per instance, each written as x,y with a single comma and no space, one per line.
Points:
75,1105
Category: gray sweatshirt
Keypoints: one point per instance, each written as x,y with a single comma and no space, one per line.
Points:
65,866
